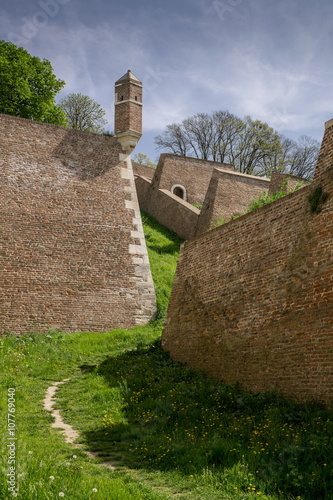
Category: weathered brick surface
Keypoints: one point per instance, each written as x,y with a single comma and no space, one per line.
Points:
253,299
229,194
285,182
324,169
72,250
128,106
169,210
143,170
142,185
222,192
194,174
128,117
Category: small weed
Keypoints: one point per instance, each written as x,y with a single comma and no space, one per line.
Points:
220,221
316,199
261,201
265,198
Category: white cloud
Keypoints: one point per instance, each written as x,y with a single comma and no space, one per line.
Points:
269,60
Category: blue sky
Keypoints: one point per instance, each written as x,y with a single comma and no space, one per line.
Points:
271,59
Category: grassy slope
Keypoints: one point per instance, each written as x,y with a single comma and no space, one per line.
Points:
170,430
163,248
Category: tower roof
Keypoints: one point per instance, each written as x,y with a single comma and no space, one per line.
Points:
128,76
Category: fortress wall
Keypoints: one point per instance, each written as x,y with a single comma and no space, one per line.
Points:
253,299
168,209
324,169
229,194
73,255
143,187
194,174
143,170
285,182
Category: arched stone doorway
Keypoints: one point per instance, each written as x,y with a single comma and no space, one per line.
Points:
179,191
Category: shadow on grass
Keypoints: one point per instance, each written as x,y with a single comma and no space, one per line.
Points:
172,248
159,238
173,418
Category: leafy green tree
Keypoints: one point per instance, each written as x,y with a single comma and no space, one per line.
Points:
144,160
256,148
28,86
83,113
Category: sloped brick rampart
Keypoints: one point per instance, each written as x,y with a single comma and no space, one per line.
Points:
253,299
192,173
73,256
229,194
169,210
144,170
285,182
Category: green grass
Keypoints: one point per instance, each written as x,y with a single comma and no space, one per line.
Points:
262,200
206,439
30,364
171,432
163,248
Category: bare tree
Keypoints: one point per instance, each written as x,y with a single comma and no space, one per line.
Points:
222,137
173,140
199,132
201,136
228,128
256,148
302,157
252,146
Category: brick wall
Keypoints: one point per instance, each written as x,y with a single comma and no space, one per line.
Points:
143,170
128,107
192,173
73,256
128,117
168,209
229,194
324,169
253,299
285,182
222,192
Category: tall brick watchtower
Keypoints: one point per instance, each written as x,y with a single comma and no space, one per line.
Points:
128,111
